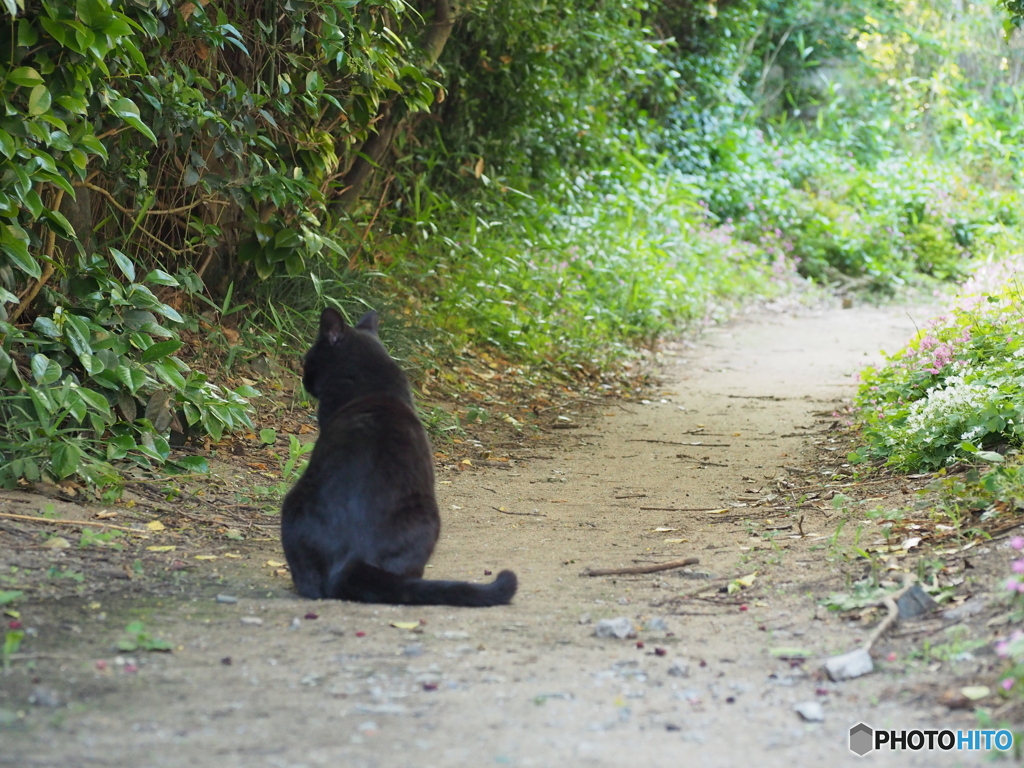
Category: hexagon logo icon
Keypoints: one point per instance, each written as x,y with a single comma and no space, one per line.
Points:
862,738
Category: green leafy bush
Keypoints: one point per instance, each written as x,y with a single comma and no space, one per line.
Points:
955,391
581,275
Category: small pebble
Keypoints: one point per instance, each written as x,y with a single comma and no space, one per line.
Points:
622,628
811,711
251,621
227,599
44,697
679,668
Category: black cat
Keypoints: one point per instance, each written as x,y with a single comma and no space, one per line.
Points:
362,521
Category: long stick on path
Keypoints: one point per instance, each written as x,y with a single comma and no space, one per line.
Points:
640,568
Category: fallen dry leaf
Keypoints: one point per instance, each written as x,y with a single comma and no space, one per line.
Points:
405,624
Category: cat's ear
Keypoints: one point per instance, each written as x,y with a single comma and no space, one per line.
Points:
369,322
332,325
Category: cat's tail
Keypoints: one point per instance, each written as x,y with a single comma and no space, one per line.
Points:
364,583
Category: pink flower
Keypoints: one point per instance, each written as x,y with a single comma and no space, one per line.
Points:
1011,584
1007,684
1018,566
1017,542
1002,648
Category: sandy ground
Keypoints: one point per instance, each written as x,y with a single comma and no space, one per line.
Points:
271,680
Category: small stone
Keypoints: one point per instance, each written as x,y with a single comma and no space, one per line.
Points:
915,602
251,621
968,609
679,668
811,711
229,599
296,623
585,618
622,628
849,665
44,697
413,649
656,624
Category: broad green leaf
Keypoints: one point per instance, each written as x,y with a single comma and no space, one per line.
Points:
125,264
64,459
118,447
47,327
159,277
160,350
96,400
39,364
17,252
7,145
39,100
56,221
192,464
5,364
26,77
167,371
287,239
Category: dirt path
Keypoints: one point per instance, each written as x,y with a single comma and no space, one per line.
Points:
275,681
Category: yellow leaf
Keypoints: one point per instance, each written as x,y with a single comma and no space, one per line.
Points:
164,548
155,525
12,613
746,581
232,555
273,563
467,462
717,511
206,557
675,541
405,624
975,692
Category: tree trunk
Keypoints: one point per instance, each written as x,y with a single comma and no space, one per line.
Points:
388,118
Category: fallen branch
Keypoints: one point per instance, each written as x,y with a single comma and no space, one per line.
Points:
681,509
47,521
696,444
525,514
889,601
640,568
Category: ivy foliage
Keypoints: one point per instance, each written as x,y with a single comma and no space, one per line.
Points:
144,147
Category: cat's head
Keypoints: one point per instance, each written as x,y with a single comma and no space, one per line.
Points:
348,362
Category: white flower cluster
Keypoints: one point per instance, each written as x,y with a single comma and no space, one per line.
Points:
948,405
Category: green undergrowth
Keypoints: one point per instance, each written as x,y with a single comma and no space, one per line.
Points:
956,391
581,273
